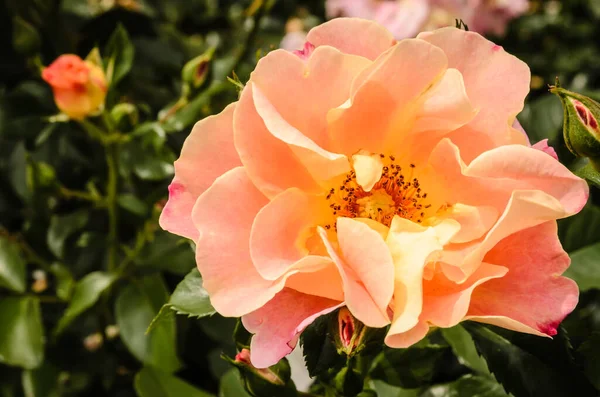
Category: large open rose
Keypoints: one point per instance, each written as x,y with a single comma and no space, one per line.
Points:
379,175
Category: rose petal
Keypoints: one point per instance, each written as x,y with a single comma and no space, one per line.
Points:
366,268
532,297
224,215
384,95
353,36
277,324
207,153
486,69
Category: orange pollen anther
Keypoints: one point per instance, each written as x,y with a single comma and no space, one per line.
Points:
396,193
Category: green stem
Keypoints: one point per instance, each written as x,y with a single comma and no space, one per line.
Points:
76,194
111,203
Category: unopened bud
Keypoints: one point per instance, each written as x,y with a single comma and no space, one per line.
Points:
581,129
196,71
93,342
40,281
271,381
111,331
125,116
350,333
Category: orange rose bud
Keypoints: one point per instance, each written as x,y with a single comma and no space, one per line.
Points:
79,86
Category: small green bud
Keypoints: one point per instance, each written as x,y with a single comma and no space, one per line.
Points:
272,381
125,116
196,71
581,128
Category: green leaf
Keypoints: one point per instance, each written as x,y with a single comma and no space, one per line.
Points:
580,230
12,266
231,385
590,174
589,354
26,39
468,385
61,227
135,307
147,162
168,252
41,382
542,118
150,382
410,368
87,292
21,332
191,298
132,204
320,352
523,369
385,390
64,281
585,267
463,347
119,53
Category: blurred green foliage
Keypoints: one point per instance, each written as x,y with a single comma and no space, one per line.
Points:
90,285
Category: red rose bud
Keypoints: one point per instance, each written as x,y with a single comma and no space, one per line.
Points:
350,333
272,381
196,71
581,124
79,86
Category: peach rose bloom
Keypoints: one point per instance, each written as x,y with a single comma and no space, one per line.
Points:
79,86
406,18
383,176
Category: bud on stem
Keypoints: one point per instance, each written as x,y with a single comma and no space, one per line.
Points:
581,128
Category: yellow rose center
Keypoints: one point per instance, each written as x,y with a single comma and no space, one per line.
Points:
398,192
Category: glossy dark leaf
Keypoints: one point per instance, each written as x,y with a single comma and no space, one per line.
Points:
320,353
413,367
119,53
135,307
63,226
86,293
585,267
526,372
589,357
150,382
12,266
21,332
469,385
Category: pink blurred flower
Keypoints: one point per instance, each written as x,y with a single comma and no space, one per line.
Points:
406,18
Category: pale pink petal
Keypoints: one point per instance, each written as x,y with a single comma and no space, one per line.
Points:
446,303
353,36
544,147
499,172
320,163
403,18
496,84
532,297
382,105
474,221
412,247
366,268
288,83
277,325
281,229
325,282
264,157
223,215
407,338
207,153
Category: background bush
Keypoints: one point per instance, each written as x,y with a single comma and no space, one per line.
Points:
84,266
